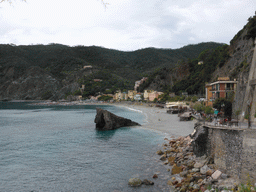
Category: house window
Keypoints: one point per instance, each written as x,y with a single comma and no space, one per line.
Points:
217,87
218,95
229,86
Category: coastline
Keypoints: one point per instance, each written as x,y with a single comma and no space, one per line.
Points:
185,170
158,120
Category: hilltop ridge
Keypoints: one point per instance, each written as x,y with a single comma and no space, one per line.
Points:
33,71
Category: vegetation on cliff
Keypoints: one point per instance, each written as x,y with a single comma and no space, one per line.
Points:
191,75
65,65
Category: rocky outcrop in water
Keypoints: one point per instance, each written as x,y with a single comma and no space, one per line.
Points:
106,120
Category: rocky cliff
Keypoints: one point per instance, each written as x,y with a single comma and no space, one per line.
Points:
35,83
106,120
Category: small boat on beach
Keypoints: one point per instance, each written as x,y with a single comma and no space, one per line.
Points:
186,116
176,107
173,109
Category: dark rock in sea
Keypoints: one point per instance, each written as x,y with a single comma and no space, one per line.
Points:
106,120
147,182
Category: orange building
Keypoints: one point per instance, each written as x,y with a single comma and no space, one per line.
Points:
208,95
222,88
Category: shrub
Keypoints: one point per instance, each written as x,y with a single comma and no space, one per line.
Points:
194,99
105,98
208,110
46,95
198,107
77,92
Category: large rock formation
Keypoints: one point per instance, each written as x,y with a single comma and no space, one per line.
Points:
200,138
106,120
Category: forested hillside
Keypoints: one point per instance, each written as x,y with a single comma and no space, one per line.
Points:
28,72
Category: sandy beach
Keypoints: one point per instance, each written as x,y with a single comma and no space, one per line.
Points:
157,119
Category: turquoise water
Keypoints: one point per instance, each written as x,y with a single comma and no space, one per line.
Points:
57,148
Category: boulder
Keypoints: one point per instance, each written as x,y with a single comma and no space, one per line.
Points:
106,120
160,152
200,139
216,174
134,182
176,169
204,169
209,172
198,165
147,182
163,157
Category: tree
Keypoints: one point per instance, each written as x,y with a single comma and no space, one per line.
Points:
225,104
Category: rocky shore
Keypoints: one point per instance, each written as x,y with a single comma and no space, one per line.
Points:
188,167
192,173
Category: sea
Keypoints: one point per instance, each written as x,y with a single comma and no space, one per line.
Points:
57,148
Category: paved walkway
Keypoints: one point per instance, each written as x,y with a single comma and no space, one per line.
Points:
241,125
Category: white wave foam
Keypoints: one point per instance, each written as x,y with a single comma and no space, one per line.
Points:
134,110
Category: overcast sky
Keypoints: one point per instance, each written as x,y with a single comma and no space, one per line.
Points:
125,25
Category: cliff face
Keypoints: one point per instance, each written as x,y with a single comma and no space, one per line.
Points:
238,67
31,85
34,83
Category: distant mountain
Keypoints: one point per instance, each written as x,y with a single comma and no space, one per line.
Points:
58,69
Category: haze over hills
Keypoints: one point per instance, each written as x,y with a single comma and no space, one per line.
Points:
28,72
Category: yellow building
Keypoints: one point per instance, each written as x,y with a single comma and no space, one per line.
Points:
120,96
146,94
131,94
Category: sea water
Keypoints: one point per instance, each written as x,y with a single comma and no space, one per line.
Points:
57,148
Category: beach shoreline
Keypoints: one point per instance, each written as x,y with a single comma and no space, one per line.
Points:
156,118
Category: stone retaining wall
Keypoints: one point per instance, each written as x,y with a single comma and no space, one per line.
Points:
233,151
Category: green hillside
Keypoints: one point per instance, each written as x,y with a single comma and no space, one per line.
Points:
118,69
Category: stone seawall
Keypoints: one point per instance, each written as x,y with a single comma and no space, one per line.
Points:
233,150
